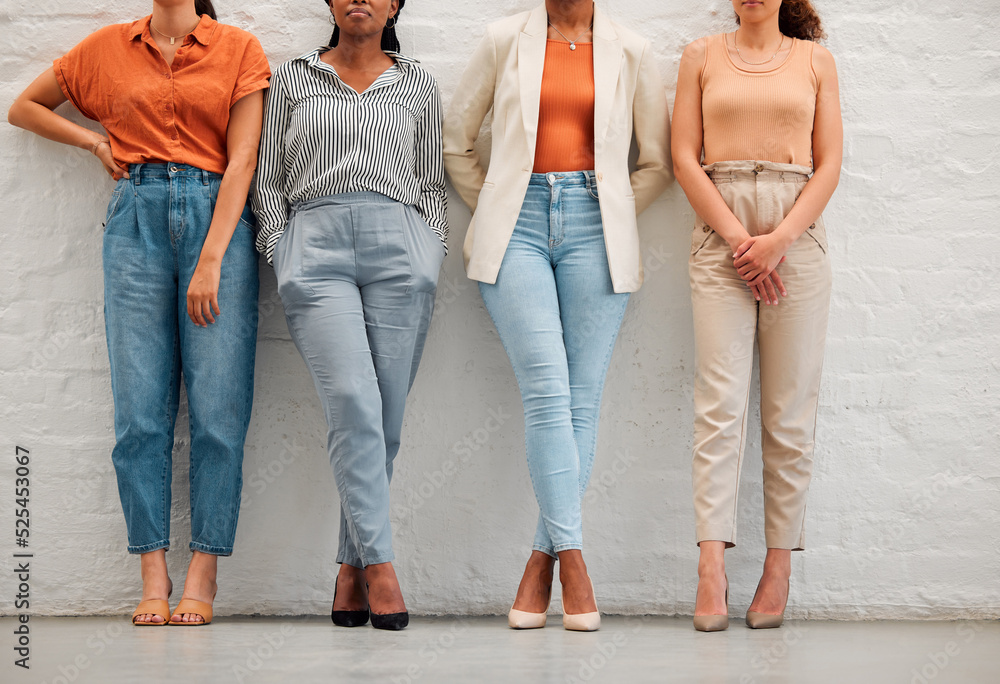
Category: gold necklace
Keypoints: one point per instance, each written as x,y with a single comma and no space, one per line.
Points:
736,42
172,38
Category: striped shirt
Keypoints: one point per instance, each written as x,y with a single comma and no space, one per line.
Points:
322,138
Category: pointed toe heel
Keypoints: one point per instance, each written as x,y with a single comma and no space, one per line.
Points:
714,623
519,619
711,623
583,622
763,620
757,620
392,622
347,618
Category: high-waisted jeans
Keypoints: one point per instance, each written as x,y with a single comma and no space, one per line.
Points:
154,231
791,338
558,317
357,273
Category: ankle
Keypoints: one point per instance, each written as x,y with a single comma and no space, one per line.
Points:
711,571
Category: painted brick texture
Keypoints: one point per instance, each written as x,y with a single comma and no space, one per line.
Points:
904,508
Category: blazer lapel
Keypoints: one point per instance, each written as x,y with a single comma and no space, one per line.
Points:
607,68
530,65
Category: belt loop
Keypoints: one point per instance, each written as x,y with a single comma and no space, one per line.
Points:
137,173
204,177
591,180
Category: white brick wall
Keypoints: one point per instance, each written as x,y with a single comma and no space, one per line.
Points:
904,509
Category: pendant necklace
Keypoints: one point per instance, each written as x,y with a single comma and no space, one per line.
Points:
172,38
572,43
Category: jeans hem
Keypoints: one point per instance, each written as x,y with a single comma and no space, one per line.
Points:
353,562
572,546
544,549
379,558
356,562
213,550
146,548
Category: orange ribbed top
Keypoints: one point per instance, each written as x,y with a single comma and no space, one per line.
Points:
566,109
758,115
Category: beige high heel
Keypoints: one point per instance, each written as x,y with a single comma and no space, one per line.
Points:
757,620
713,623
520,619
583,622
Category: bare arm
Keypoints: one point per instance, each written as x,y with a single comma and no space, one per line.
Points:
242,141
756,257
686,146
33,111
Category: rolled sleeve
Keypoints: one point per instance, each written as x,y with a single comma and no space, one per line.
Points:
270,202
433,202
255,72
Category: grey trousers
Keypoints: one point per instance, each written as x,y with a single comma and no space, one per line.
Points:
357,274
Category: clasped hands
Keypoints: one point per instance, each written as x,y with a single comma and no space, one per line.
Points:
756,260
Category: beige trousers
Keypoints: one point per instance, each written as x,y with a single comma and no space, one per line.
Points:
790,338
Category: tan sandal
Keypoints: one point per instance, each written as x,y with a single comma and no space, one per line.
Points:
152,607
191,606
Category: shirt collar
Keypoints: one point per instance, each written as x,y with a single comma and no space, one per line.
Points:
202,32
404,62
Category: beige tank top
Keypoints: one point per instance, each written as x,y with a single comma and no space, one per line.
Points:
758,115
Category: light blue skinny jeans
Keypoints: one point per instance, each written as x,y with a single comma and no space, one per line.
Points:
155,228
558,317
357,273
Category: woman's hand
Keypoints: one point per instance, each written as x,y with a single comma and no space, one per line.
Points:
755,260
768,289
102,150
203,292
757,257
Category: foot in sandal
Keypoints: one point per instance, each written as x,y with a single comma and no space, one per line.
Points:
153,610
195,607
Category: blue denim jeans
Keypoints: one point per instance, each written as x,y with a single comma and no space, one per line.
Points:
357,273
558,317
155,228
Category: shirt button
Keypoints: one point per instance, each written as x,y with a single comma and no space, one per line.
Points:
707,229
600,176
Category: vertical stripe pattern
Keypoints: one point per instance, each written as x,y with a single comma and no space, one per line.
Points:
322,138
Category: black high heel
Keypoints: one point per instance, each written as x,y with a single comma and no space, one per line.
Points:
349,618
390,621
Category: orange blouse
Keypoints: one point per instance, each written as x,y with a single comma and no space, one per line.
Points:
565,139
153,112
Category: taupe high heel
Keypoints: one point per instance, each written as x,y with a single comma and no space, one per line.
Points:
713,623
757,620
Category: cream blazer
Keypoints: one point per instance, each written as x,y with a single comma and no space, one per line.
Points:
505,75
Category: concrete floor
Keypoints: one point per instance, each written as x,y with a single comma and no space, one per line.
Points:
482,650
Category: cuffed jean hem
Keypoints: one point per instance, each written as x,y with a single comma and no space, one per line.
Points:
213,550
783,539
146,548
545,550
716,534
559,547
372,560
